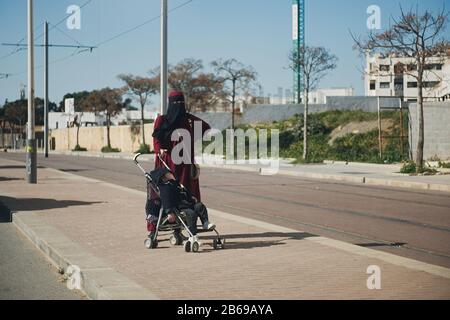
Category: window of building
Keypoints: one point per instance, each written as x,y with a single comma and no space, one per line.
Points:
385,85
385,67
433,66
373,84
430,84
412,84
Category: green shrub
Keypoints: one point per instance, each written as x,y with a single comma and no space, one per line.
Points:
444,165
110,150
144,149
409,168
79,149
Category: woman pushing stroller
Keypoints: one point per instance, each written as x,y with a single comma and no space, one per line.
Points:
171,189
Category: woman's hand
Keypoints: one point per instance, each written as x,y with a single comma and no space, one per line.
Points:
172,218
162,152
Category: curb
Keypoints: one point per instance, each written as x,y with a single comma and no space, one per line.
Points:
98,281
310,175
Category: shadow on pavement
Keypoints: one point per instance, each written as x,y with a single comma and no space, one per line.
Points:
73,170
2,179
38,204
281,239
17,167
5,214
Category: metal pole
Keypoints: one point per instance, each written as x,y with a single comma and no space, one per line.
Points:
31,139
402,132
164,71
46,89
380,129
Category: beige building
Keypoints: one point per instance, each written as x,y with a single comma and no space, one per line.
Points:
393,76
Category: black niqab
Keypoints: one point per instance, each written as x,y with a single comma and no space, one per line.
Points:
171,121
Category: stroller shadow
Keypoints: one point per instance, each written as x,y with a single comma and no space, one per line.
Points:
265,240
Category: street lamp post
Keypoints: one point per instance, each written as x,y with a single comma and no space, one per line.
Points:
31,139
46,89
164,71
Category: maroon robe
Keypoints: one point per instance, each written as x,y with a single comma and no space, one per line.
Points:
182,171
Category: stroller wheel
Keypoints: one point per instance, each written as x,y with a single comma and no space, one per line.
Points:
150,244
195,247
176,239
218,244
187,246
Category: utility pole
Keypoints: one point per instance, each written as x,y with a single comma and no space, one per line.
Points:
164,72
46,89
31,139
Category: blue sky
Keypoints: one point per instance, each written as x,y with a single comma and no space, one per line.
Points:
256,32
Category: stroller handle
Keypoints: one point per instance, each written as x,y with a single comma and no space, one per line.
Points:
136,157
136,162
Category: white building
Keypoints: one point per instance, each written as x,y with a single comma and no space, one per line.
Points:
59,120
393,76
318,96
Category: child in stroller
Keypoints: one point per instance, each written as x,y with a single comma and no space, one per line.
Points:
175,210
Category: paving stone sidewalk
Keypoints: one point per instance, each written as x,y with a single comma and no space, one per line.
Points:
262,261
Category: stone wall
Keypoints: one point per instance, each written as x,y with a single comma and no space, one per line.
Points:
125,138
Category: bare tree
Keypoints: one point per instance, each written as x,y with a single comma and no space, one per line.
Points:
239,76
106,101
182,75
142,88
315,63
418,36
201,90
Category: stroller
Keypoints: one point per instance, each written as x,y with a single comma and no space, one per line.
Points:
163,225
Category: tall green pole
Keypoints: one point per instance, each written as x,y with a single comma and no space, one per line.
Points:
298,36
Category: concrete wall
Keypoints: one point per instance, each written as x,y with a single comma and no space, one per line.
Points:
218,120
95,138
437,130
255,114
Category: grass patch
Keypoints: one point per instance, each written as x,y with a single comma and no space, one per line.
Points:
78,148
362,147
110,150
144,149
410,167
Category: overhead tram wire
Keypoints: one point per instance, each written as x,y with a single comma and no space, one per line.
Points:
19,49
141,24
77,52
